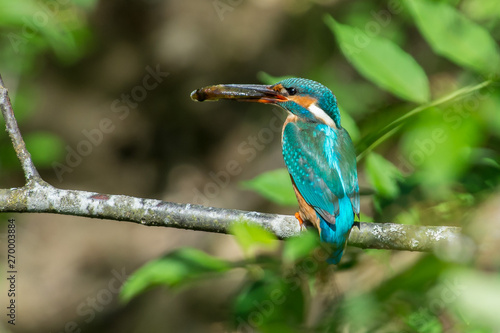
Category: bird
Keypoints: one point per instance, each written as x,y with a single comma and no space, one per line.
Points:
318,153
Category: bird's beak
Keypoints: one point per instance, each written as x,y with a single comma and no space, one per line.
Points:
239,92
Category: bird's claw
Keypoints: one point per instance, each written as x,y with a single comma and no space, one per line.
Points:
301,222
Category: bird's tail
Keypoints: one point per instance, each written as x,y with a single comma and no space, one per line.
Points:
337,242
336,255
337,233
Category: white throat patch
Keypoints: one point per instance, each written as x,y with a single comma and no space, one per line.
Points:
321,114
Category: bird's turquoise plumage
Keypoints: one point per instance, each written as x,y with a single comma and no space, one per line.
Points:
322,163
318,152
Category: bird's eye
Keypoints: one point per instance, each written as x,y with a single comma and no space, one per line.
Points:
291,91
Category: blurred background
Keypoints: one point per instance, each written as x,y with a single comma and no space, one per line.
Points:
101,93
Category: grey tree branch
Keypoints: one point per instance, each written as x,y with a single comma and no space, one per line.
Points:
37,196
30,172
44,198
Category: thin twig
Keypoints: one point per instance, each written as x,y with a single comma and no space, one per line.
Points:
30,172
396,125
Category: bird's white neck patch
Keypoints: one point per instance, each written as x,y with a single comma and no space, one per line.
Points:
321,114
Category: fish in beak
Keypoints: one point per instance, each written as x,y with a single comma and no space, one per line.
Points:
239,92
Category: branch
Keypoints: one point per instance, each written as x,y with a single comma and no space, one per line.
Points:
37,196
43,198
30,172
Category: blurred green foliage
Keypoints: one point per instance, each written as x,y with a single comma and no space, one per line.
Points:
376,58
33,27
452,35
273,185
383,176
252,238
266,300
437,159
175,270
30,30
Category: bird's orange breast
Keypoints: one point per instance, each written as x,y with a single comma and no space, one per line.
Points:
306,211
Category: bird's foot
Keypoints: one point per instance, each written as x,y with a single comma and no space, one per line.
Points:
301,222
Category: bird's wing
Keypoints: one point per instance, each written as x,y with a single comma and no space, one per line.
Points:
349,169
322,163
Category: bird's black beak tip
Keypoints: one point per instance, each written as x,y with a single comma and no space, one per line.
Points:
198,96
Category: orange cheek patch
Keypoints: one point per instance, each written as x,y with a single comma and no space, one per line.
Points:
304,101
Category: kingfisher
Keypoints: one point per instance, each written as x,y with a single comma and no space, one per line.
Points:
317,150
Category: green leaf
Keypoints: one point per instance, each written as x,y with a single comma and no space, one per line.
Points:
173,270
382,62
415,279
481,10
438,146
410,216
269,304
13,12
455,37
87,4
424,321
383,175
296,248
349,124
361,312
274,185
267,78
476,296
58,27
44,147
252,237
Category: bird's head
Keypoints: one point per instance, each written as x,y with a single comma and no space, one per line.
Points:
308,100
